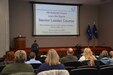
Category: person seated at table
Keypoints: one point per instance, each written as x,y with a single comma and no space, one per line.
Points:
51,62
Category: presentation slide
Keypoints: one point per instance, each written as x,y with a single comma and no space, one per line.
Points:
50,19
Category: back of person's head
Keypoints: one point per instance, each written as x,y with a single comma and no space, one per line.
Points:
20,56
52,57
35,40
111,53
70,51
87,52
32,55
89,55
104,53
10,55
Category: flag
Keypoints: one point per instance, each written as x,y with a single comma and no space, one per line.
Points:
95,34
89,32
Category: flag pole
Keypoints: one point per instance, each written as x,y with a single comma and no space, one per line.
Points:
94,38
89,33
88,43
94,42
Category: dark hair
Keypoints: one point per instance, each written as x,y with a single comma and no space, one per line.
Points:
32,55
35,40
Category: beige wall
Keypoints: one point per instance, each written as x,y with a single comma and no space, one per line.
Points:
4,27
21,23
106,25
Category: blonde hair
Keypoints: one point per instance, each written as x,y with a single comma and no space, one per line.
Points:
20,56
52,57
89,55
111,53
104,53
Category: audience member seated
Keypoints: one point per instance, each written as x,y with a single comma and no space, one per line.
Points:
33,59
104,57
43,57
51,62
88,55
2,59
111,57
19,65
78,50
9,57
70,57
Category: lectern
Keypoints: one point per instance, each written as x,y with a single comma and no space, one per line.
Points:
19,43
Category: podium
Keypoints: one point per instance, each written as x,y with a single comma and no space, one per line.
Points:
19,43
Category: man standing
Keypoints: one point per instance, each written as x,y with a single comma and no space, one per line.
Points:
78,50
35,48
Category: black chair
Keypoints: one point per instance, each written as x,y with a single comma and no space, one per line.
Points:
69,68
1,59
85,62
84,71
106,70
35,67
97,63
86,66
102,66
73,64
42,59
100,62
1,67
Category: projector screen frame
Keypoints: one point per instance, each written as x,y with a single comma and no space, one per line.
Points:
55,4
